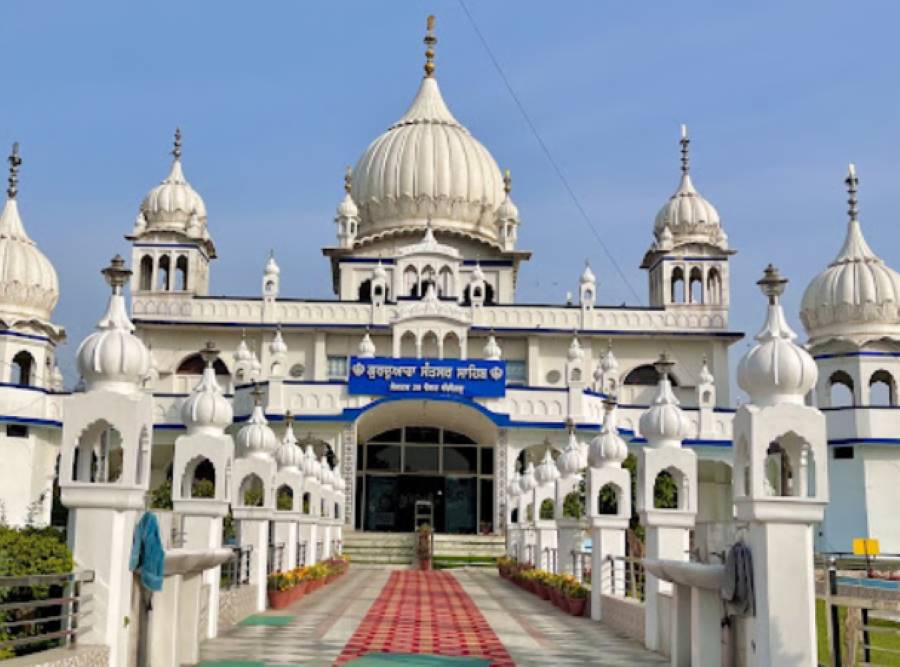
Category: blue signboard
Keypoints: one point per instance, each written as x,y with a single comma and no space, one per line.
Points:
458,377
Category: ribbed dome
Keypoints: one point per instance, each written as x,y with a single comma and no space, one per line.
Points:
29,287
310,463
514,487
664,424
289,456
776,369
608,450
366,347
113,358
206,409
492,350
278,347
546,472
256,439
857,297
528,482
573,459
427,165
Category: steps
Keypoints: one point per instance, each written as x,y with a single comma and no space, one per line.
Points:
399,548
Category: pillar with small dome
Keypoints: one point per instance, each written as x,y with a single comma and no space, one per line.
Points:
570,529
289,494
545,474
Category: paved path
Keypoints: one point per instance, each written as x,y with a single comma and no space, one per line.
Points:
321,626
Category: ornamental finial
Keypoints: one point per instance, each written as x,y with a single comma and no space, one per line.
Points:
348,180
852,183
430,40
257,394
664,365
14,162
176,148
772,284
209,353
685,141
507,182
116,274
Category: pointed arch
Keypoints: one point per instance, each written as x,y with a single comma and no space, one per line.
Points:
146,279
162,273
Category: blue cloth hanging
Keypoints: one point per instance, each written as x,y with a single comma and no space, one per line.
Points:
147,553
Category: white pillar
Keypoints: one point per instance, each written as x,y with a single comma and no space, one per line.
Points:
202,525
253,531
607,574
286,531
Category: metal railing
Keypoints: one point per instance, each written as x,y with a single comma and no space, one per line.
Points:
275,558
622,576
236,570
337,548
301,553
55,620
529,554
549,560
581,566
319,552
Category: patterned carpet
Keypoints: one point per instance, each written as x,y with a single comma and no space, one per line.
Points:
429,613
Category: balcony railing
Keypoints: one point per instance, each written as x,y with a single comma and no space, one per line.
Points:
236,570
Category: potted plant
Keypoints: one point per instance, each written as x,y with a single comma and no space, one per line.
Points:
279,590
576,597
423,547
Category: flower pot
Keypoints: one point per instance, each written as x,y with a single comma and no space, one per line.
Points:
279,599
556,598
544,591
576,605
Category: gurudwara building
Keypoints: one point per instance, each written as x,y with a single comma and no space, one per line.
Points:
424,383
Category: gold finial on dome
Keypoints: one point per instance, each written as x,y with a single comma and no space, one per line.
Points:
14,163
348,180
852,183
430,40
176,148
507,182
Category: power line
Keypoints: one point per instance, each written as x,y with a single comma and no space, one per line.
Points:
548,155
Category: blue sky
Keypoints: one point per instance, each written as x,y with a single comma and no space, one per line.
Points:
276,101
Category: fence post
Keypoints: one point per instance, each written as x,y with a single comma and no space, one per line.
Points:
833,613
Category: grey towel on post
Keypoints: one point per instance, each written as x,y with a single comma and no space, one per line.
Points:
737,589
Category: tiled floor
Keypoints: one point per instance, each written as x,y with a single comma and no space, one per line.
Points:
533,632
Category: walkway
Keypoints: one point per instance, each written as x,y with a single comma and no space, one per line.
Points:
463,612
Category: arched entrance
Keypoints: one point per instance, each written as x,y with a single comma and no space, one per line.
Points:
437,452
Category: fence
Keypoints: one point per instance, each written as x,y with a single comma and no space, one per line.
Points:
581,565
623,576
301,553
53,621
275,561
236,570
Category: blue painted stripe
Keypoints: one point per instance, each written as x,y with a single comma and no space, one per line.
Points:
30,421
864,441
19,334
861,353
692,442
257,325
367,260
841,408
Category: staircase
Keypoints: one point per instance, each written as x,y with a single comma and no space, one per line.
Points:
399,549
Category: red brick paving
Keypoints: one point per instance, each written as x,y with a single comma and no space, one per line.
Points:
425,612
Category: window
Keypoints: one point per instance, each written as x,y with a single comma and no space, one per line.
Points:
843,453
22,371
337,367
16,431
515,372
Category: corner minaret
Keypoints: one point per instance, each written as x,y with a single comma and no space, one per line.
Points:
171,244
687,261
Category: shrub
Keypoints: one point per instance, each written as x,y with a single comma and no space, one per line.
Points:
203,488
161,496
546,509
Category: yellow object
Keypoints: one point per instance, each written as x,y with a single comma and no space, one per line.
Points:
866,546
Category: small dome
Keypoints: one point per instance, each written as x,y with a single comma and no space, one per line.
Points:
243,352
528,481
776,369
508,211
664,424
546,472
366,347
206,409
514,488
705,376
477,274
112,357
256,439
587,276
576,352
609,363
608,450
272,268
347,208
492,351
572,460
278,346
857,296
379,273
29,287
323,472
289,456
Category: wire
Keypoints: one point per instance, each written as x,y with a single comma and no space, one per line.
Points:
549,156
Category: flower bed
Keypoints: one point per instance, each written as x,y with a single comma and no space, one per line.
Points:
563,590
285,588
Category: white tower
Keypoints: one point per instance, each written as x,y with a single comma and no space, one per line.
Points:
508,216
171,244
271,279
545,474
576,379
587,296
780,486
347,218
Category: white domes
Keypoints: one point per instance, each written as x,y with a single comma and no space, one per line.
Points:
289,456
206,409
514,488
857,296
776,369
664,424
546,472
573,459
29,288
576,352
366,347
492,351
256,439
278,347
608,449
587,276
528,481
427,165
112,357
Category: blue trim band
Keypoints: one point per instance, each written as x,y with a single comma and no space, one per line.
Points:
861,353
863,441
189,246
30,421
18,334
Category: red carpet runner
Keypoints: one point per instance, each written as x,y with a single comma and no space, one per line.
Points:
425,612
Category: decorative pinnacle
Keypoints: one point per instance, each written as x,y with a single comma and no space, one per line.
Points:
257,394
772,284
610,403
288,419
685,142
14,162
116,274
430,40
852,183
176,149
664,365
348,180
209,353
507,182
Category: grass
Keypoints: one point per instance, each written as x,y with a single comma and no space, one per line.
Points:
885,640
446,562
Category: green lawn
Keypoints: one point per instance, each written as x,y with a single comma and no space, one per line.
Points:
885,640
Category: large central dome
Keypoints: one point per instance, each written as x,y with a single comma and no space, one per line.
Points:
427,165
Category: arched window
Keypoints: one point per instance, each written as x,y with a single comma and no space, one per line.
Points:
411,281
452,347
99,454
146,272
199,479
881,388
428,279
408,345
181,273
163,273
285,499
307,501
22,371
194,365
696,285
252,492
608,499
677,285
841,389
665,491
365,291
446,287
714,287
546,509
430,349
469,292
646,375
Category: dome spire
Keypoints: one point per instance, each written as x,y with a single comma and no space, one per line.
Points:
852,183
507,182
176,146
685,142
430,40
14,163
348,180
